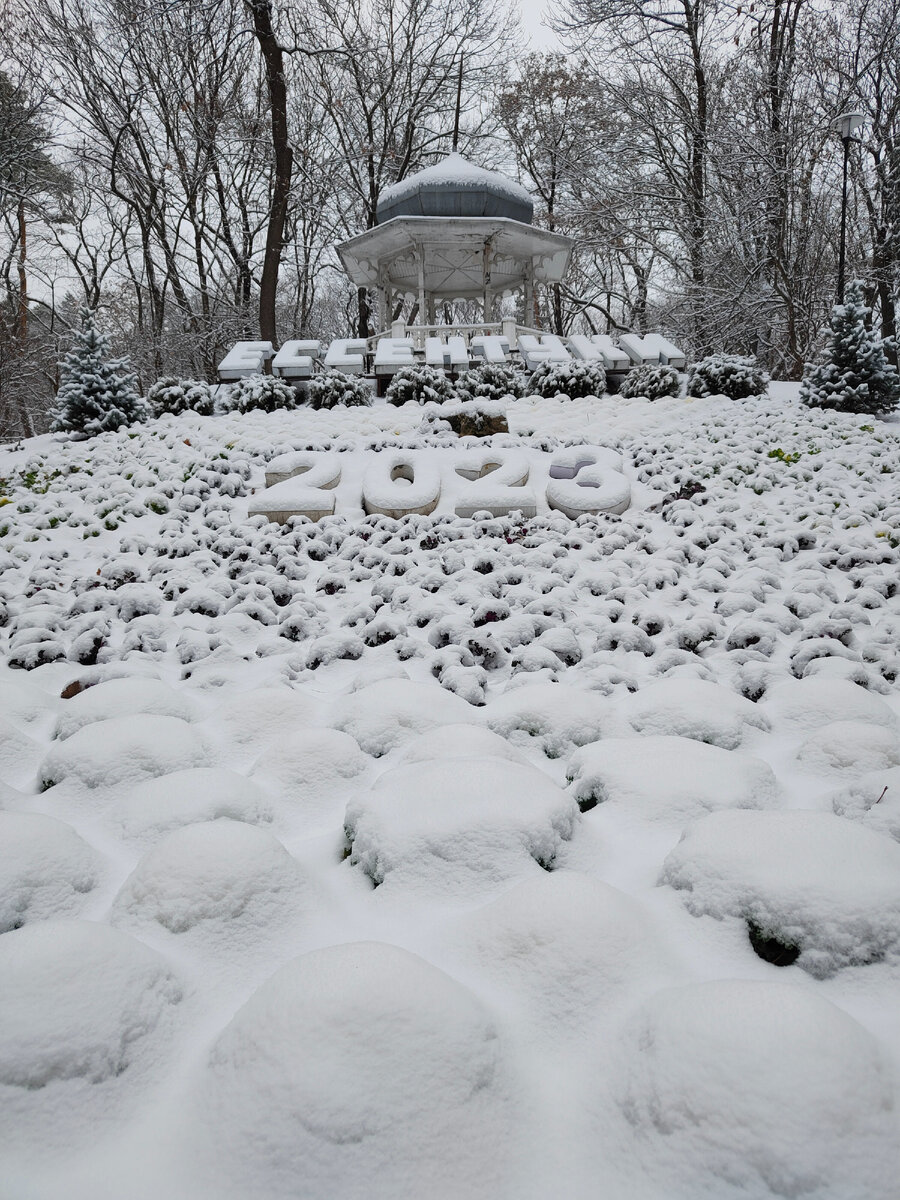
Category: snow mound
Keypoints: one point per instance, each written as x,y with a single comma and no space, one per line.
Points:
693,708
258,718
46,870
361,1070
733,1089
565,948
556,715
20,755
21,702
850,748
213,871
98,993
311,770
669,778
388,713
185,797
459,741
462,818
874,800
812,881
123,750
120,698
813,702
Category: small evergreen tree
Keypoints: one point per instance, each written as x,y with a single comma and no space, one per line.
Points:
97,393
853,373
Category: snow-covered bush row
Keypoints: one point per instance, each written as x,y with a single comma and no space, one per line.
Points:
419,385
169,394
335,389
650,381
730,375
266,392
571,379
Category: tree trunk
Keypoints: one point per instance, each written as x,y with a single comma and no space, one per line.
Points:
282,165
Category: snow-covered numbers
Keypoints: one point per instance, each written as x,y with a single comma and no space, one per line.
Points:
585,480
299,485
400,483
588,479
497,485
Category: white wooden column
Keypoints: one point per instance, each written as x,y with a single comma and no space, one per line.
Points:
422,318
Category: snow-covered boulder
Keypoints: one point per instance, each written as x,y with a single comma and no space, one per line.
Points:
693,708
76,1001
458,821
731,1089
669,778
185,797
46,869
222,871
388,713
799,704
825,889
120,698
123,750
361,1070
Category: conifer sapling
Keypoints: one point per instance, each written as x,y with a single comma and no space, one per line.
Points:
98,393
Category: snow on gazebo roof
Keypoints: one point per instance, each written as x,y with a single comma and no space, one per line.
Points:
456,187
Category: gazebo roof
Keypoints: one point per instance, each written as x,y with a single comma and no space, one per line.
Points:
457,255
455,187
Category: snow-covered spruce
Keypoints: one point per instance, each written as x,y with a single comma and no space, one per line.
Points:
419,385
266,392
853,373
731,375
97,393
334,389
650,381
170,394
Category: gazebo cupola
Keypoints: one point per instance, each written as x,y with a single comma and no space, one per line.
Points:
454,231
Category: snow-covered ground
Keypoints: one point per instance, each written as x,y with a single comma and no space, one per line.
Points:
453,857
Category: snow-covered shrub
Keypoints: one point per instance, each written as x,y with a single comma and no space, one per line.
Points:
331,388
173,395
731,375
421,384
853,373
491,381
267,392
650,381
572,379
97,393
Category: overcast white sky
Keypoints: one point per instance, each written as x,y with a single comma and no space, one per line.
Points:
539,33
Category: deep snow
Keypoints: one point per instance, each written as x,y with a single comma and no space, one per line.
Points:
390,858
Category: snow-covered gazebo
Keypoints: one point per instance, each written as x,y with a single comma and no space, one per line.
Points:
454,231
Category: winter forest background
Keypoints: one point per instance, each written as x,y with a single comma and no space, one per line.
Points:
186,166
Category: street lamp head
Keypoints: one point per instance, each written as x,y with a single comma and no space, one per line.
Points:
848,123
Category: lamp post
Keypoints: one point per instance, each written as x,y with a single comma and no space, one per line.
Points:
847,124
